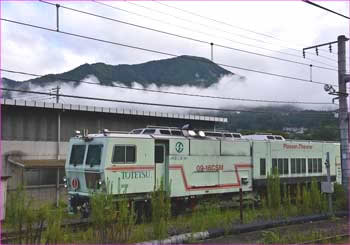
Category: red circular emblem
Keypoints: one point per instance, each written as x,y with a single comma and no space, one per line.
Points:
75,183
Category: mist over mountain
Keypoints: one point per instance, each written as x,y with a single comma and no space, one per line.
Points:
179,71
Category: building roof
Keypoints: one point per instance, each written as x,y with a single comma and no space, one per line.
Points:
113,110
43,163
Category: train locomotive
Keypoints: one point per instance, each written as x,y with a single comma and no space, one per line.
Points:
191,164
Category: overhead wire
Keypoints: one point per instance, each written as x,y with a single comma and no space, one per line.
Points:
224,23
188,38
167,92
215,28
213,35
327,9
161,52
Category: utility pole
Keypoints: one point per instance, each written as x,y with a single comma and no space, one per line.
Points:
212,51
57,89
343,106
343,113
57,93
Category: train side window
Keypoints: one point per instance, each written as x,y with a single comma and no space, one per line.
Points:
149,131
319,165
314,165
262,166
285,166
124,154
130,154
280,166
176,132
303,165
298,165
77,154
159,154
309,165
238,136
274,164
292,163
163,131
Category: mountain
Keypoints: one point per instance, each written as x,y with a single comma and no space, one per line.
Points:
182,70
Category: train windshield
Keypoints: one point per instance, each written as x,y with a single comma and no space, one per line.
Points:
94,155
77,155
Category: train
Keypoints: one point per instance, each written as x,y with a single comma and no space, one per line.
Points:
192,164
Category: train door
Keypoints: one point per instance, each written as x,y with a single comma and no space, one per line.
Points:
161,161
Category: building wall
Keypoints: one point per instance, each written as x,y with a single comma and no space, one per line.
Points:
22,123
44,194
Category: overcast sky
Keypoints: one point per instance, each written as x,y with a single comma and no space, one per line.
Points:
295,23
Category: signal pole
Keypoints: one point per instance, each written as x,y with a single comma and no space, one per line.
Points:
342,94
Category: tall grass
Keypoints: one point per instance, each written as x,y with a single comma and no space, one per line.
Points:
161,211
34,225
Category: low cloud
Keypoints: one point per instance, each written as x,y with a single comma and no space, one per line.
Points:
228,86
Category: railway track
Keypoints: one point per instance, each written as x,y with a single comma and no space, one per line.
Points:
329,239
8,237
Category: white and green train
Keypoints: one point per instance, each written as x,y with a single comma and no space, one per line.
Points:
192,165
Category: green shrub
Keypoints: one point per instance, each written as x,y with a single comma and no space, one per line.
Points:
339,197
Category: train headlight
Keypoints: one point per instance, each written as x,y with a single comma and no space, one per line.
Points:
77,133
99,184
65,185
64,179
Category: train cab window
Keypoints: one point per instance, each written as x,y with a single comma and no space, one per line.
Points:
149,131
124,154
159,154
77,155
262,166
94,155
278,138
176,132
163,131
319,165
292,165
270,137
228,135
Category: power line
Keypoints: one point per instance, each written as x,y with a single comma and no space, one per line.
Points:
222,22
173,93
211,35
329,10
242,36
161,52
187,38
157,104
